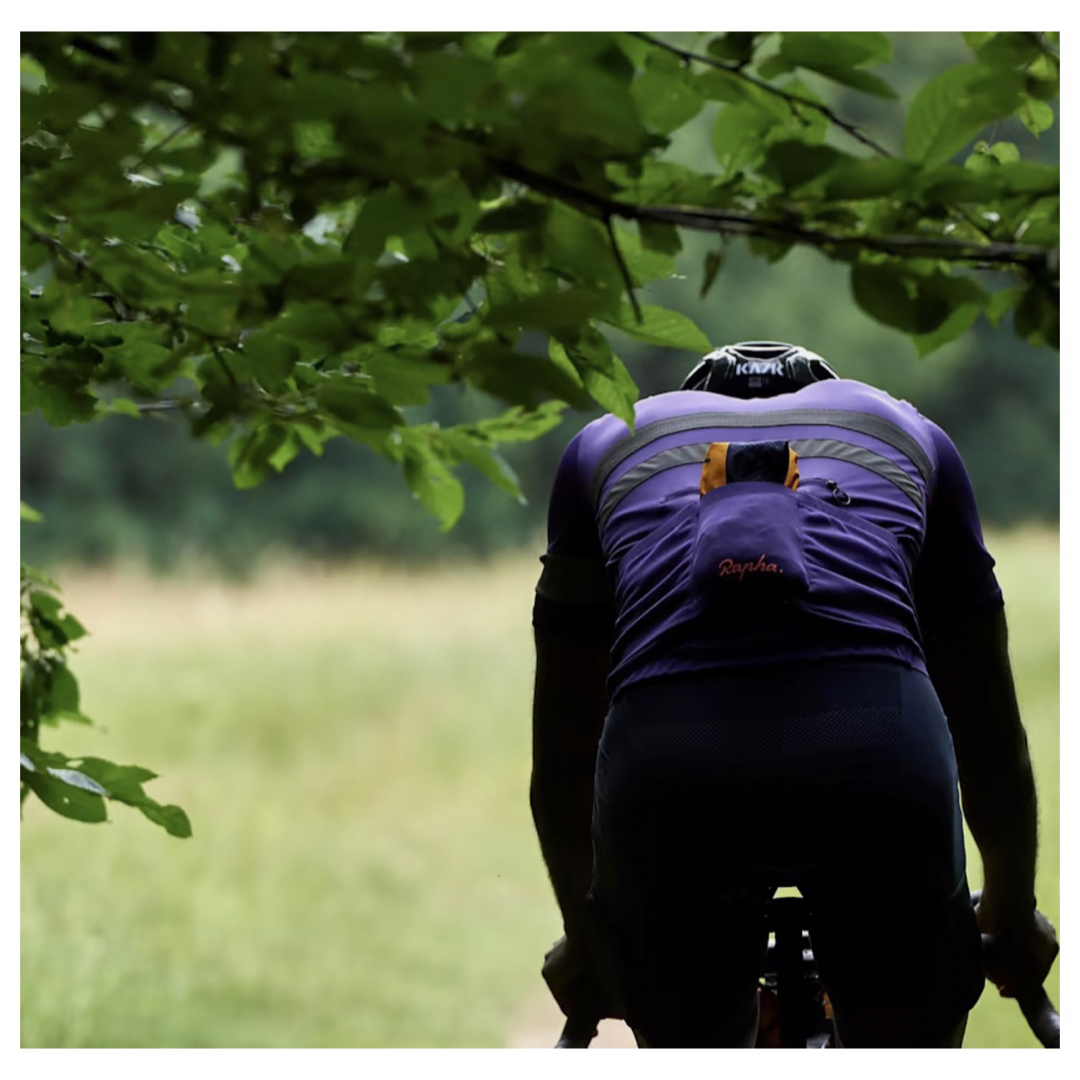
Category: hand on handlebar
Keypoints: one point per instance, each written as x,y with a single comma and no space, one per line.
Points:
1017,958
571,977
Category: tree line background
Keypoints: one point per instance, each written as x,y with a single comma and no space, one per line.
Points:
144,489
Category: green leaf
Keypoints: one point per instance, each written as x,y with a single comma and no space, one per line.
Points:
468,448
1009,50
66,799
552,310
73,629
71,310
771,249
839,56
63,693
272,357
665,94
714,261
846,49
660,236
737,137
952,108
521,425
793,163
1002,302
736,46
715,85
214,313
384,214
957,324
356,406
286,452
513,216
974,40
949,184
171,818
646,253
659,326
1037,116
28,513
432,482
1005,153
55,629
404,380
869,178
601,372
881,291
79,780
775,66
1029,178
520,378
35,575
1036,317
250,455
124,785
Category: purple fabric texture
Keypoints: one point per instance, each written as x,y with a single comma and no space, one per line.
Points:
882,532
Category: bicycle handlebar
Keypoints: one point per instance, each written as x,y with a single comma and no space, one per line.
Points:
577,1033
1039,1012
1042,1017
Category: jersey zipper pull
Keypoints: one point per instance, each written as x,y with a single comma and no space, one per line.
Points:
841,496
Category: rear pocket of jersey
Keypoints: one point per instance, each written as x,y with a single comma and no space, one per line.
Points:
749,544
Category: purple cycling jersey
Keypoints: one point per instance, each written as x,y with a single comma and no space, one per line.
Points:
880,540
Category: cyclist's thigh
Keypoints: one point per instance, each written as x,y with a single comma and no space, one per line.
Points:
684,945
893,924
682,936
902,975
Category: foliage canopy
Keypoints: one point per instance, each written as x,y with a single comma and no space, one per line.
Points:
292,237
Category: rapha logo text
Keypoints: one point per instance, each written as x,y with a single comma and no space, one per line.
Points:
729,567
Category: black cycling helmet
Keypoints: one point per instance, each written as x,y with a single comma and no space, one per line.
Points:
754,369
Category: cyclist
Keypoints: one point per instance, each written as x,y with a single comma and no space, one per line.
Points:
757,610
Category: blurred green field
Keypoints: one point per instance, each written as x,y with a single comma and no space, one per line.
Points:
353,751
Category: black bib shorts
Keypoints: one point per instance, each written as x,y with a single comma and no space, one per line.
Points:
838,778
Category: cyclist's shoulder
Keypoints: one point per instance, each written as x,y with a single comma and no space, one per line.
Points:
600,437
860,397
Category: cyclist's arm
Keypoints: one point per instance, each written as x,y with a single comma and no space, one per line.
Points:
573,616
965,637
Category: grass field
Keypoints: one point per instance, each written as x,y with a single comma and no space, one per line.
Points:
352,749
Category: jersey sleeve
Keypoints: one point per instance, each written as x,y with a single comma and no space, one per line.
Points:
574,598
954,576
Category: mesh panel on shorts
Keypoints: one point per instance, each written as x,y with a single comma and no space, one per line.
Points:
747,742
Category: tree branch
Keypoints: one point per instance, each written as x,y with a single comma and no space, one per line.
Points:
733,223
761,84
623,269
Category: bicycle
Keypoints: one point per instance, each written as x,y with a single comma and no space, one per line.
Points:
795,1010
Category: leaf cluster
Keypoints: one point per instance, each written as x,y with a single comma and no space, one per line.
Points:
48,694
293,237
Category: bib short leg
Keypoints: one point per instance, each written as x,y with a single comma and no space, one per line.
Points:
839,778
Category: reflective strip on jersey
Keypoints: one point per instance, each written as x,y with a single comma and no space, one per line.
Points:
694,454
864,423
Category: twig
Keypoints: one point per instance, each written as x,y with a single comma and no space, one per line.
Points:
624,270
72,257
761,84
164,142
224,366
164,406
92,48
